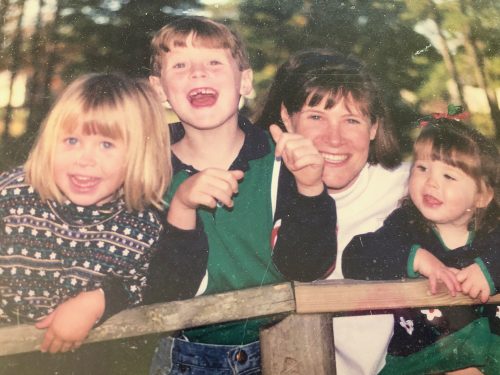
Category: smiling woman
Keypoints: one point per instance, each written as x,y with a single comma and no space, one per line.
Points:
333,100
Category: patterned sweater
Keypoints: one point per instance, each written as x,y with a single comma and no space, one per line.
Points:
50,252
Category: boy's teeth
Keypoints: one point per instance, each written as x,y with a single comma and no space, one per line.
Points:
334,158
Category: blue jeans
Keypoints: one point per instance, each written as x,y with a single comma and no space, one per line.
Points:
175,356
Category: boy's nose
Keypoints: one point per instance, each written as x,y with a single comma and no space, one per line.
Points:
198,70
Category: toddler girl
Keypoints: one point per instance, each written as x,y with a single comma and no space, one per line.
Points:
446,230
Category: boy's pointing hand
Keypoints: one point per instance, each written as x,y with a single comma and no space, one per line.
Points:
209,188
301,158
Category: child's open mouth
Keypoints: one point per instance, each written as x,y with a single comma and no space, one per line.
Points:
202,97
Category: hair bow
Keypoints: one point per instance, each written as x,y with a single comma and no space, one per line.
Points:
455,112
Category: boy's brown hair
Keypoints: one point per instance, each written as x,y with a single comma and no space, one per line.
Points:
206,33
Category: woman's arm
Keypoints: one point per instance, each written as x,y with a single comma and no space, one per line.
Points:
304,238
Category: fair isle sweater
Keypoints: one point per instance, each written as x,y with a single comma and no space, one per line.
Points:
50,252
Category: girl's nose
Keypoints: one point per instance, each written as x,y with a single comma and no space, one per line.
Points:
432,180
86,158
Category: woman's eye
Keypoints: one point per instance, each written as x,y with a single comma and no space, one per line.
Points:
215,62
353,121
179,65
449,177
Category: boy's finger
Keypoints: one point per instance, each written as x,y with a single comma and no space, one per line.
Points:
485,296
237,174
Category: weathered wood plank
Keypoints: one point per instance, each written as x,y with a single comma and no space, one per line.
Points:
329,296
167,317
299,344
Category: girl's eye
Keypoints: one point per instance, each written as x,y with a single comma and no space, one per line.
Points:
420,168
106,145
179,65
71,140
449,177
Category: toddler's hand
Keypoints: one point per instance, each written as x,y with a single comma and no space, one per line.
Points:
474,282
302,159
70,323
206,188
431,267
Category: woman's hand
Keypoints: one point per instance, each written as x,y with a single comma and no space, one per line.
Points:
431,267
70,323
302,159
474,283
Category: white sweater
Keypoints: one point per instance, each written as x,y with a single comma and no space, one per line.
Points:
361,341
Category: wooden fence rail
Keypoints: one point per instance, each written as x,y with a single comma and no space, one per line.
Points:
309,305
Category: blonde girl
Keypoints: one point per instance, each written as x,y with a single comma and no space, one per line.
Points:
81,220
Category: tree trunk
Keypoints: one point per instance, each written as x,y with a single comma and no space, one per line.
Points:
15,50
35,85
477,62
4,6
448,59
52,41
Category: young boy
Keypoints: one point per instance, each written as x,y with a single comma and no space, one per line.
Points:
228,166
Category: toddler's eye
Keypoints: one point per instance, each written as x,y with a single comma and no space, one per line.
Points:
420,168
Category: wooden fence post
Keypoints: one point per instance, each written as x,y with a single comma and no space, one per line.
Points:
299,345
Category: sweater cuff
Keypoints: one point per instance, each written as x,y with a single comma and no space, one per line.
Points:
116,298
486,273
411,260
315,203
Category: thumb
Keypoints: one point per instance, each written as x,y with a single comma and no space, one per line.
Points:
46,321
276,132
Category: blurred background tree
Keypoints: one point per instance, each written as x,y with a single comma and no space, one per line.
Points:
425,54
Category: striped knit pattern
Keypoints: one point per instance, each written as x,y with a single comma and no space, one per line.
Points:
50,252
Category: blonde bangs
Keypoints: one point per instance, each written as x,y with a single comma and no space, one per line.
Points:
130,111
40,162
148,170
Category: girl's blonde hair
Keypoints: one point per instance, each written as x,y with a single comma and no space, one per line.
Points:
461,146
117,107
